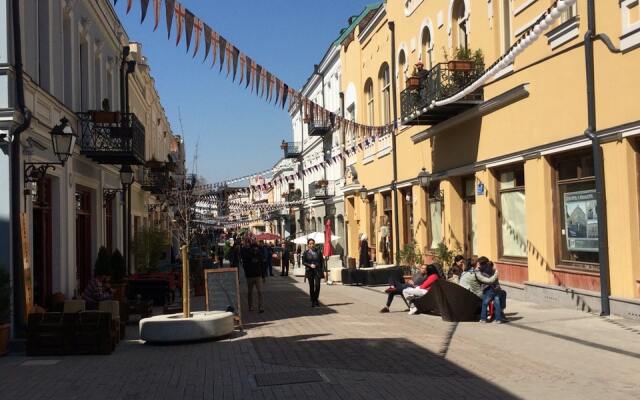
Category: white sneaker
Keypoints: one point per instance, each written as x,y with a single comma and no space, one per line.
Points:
413,311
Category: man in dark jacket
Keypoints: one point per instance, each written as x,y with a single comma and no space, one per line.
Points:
314,270
286,255
253,271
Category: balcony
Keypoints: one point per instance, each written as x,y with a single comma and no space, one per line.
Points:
112,140
319,125
442,81
291,149
156,180
321,190
295,195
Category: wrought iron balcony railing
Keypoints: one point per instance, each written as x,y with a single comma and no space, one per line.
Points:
296,195
157,180
442,81
320,190
291,149
116,141
319,125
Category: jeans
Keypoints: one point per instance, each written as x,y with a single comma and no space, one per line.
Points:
270,268
314,278
489,295
285,268
398,292
257,282
413,292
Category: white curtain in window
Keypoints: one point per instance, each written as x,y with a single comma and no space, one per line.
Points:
514,226
435,216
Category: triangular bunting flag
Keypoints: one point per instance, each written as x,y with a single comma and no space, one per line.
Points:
198,26
242,68
189,20
144,6
249,63
222,43
258,74
156,14
170,9
235,53
180,14
207,41
285,89
129,4
214,47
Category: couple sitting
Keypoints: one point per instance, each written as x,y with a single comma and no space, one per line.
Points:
413,289
481,278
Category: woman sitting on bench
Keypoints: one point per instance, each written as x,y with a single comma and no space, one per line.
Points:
396,288
413,293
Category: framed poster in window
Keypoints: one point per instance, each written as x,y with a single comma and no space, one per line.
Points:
581,221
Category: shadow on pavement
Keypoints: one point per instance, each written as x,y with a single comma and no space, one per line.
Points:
390,357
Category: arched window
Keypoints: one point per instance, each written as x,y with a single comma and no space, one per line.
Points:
368,93
385,91
459,25
426,48
402,69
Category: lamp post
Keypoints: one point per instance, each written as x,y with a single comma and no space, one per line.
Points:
424,178
126,179
363,194
63,140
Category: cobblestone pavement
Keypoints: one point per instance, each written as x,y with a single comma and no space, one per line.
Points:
347,350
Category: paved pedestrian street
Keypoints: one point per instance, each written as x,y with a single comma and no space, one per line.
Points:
346,349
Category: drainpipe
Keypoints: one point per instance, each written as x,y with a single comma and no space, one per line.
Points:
394,149
343,168
301,168
603,250
15,183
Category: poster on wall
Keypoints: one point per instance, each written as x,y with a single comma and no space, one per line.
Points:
581,221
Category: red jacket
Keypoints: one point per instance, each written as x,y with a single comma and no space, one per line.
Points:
429,281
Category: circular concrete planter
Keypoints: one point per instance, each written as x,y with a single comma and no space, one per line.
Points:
174,328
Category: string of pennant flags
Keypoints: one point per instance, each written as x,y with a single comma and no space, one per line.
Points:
239,66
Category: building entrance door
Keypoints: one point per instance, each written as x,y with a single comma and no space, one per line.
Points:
42,232
470,217
83,237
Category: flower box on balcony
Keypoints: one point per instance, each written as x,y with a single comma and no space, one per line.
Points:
413,83
105,117
460,65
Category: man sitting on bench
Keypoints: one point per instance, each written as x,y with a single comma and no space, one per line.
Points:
396,288
413,293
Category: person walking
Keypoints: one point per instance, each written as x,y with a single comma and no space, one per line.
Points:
364,261
314,268
253,271
284,261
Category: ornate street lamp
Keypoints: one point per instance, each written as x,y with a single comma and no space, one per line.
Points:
424,179
63,139
126,175
363,193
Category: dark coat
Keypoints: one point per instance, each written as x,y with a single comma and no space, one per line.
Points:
252,262
364,254
309,258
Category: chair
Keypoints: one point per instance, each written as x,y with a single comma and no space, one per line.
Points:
93,333
74,306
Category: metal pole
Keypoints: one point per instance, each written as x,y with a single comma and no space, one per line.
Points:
598,164
129,228
125,238
394,149
15,182
185,281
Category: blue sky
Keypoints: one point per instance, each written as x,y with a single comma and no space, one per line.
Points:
238,133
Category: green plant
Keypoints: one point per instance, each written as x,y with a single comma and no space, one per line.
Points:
102,265
443,255
410,256
5,294
148,247
118,267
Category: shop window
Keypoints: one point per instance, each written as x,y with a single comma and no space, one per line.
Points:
435,214
512,217
577,212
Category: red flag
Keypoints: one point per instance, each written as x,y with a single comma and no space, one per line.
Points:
156,14
180,14
198,26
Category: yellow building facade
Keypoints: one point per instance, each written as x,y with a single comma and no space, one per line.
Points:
510,171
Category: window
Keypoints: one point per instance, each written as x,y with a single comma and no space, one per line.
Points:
385,88
459,25
577,212
97,80
67,60
84,76
630,10
435,214
506,24
351,116
426,48
569,13
402,64
512,216
108,224
44,62
368,91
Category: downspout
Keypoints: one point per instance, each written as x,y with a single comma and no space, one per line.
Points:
394,149
603,250
15,163
343,167
301,168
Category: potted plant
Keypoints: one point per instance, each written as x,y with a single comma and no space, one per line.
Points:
118,273
444,256
5,294
413,82
105,116
148,247
410,256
